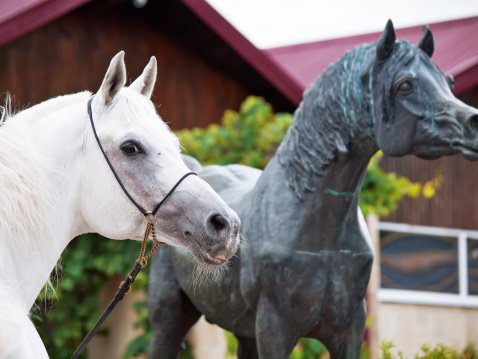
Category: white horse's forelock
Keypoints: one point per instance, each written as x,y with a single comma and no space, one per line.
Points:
140,107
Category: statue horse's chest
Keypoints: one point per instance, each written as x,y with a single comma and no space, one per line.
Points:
308,284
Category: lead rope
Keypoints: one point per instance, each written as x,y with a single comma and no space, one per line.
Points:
142,261
125,286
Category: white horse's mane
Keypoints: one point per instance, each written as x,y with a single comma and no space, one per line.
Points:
25,196
23,188
52,105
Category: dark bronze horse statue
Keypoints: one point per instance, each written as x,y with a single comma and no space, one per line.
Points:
305,263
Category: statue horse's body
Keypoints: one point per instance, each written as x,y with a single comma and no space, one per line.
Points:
305,264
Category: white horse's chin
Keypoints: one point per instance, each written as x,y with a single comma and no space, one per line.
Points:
205,274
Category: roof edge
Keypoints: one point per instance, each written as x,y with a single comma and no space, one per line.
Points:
35,17
291,89
363,38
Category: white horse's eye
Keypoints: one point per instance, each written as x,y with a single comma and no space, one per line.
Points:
131,148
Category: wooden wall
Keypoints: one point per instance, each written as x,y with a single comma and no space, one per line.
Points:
72,54
456,203
199,77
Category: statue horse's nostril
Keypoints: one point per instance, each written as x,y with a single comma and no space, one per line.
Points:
473,123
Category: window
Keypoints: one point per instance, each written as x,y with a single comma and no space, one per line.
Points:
428,265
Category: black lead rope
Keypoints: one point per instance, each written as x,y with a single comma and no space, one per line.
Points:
125,287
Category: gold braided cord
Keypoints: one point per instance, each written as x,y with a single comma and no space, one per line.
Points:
143,259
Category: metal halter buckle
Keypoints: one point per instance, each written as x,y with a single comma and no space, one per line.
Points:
149,220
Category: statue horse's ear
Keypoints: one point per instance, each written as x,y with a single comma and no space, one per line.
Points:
386,42
427,43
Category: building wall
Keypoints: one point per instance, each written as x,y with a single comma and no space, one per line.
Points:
72,54
410,326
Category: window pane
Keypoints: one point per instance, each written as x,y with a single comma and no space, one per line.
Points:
419,262
473,266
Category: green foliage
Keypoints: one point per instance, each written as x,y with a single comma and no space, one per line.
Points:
308,349
232,345
382,191
249,137
64,319
428,352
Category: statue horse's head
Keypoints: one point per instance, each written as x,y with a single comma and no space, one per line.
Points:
146,157
413,105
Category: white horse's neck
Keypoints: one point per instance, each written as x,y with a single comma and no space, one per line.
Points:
56,130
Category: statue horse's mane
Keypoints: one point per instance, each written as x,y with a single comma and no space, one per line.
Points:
336,110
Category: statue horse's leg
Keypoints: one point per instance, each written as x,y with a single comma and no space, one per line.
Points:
274,336
171,313
346,343
247,348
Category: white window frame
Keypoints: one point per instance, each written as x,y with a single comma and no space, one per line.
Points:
462,299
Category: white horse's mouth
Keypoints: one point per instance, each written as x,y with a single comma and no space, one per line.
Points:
203,256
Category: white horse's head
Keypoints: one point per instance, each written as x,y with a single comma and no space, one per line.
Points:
146,157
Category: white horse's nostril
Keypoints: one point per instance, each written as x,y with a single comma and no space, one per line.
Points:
218,223
217,226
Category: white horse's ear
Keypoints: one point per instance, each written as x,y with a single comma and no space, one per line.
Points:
114,80
144,84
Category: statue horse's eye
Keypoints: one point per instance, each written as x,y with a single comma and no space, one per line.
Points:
131,148
404,87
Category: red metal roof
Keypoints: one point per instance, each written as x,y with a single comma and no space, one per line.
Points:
293,68
17,17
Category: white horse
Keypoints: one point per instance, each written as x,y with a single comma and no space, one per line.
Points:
55,184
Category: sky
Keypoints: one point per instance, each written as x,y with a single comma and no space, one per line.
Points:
275,23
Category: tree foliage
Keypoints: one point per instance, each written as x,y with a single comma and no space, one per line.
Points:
249,137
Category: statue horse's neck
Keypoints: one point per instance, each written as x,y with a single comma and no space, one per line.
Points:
325,153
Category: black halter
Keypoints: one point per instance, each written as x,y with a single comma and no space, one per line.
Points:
142,210
125,286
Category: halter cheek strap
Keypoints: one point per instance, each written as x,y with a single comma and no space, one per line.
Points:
142,210
142,261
